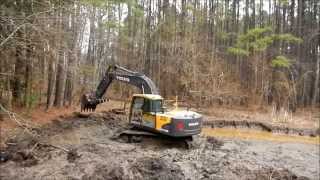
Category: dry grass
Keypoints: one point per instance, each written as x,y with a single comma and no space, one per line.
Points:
303,118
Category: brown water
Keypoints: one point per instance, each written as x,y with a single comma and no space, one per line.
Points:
249,134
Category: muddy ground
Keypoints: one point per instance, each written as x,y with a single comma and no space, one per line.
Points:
86,148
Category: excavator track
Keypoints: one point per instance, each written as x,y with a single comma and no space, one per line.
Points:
137,136
134,136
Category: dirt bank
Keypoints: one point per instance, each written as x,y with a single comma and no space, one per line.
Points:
84,148
261,126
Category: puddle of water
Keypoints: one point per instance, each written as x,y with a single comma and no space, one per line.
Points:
258,135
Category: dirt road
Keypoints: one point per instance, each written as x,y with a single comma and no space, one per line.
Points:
84,148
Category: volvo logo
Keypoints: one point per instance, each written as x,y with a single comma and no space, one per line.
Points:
122,78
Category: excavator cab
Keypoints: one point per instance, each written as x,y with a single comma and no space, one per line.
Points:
144,108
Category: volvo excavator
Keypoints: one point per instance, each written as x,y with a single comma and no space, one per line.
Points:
147,114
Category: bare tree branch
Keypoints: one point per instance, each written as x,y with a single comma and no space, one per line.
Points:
11,35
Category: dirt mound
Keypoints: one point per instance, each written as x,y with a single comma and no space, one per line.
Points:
156,168
213,143
73,155
21,142
107,118
104,172
262,127
268,173
19,147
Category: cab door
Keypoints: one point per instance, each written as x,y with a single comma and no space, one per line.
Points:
136,112
141,113
149,117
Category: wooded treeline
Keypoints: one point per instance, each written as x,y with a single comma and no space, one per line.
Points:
269,50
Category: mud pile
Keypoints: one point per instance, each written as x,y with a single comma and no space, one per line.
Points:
21,147
268,173
147,168
83,147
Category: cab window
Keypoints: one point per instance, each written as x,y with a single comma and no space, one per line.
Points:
157,106
138,103
152,105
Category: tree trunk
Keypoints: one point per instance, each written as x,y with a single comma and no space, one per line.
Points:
19,71
147,64
61,69
253,15
246,17
72,55
28,76
316,83
51,83
60,81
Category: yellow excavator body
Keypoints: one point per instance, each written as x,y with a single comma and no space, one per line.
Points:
147,112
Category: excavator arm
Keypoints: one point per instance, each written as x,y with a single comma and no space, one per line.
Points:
90,101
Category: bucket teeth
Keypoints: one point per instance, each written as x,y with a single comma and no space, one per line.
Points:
88,107
89,102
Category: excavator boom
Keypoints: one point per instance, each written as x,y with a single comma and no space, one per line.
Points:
90,101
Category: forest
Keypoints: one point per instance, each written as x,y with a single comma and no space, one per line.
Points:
208,89
262,52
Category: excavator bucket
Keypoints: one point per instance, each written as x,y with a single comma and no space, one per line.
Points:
88,102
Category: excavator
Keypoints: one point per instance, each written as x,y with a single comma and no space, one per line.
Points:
147,115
